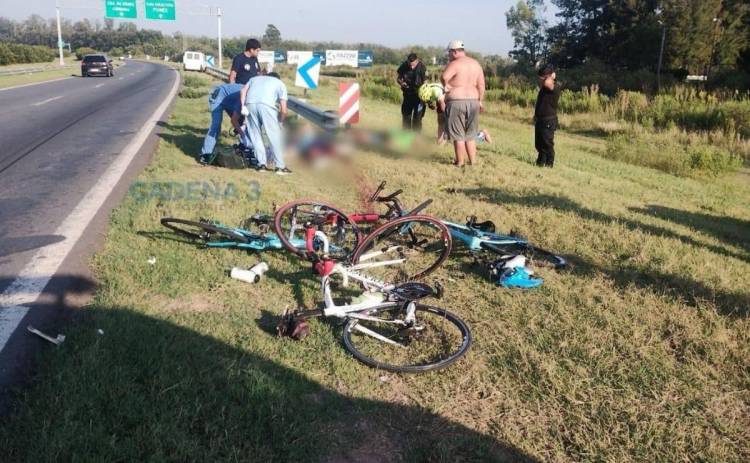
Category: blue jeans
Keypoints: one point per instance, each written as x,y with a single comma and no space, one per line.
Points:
265,118
213,132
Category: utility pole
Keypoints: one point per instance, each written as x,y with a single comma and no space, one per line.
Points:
661,55
59,33
218,17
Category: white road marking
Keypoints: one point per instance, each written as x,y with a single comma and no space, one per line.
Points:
119,78
98,85
34,83
35,276
48,100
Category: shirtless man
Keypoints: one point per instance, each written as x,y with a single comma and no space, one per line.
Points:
463,80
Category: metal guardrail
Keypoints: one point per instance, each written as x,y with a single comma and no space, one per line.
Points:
325,120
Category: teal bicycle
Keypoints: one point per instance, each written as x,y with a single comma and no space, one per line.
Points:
212,234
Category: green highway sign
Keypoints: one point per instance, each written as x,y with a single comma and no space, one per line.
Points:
120,9
160,9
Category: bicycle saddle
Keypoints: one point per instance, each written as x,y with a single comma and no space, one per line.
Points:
487,226
413,291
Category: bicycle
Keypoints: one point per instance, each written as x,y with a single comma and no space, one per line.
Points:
213,234
419,244
387,327
479,237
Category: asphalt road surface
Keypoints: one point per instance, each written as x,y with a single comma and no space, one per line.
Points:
57,140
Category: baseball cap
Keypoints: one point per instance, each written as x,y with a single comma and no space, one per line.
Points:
252,44
411,57
455,45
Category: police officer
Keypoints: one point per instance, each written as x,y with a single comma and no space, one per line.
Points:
245,65
411,76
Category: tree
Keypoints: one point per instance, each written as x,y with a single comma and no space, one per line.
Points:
528,30
272,36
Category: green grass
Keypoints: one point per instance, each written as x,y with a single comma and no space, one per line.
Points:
639,353
43,76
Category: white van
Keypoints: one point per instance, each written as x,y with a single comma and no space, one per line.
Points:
194,61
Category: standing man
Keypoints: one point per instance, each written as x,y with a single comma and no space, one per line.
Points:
263,102
245,65
223,98
545,116
411,76
463,80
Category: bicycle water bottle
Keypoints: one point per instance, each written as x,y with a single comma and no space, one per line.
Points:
251,275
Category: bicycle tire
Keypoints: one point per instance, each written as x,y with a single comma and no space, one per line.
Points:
459,329
419,269
340,248
203,230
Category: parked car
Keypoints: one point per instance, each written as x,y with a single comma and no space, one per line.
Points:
97,65
194,61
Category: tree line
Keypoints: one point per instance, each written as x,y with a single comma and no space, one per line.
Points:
677,37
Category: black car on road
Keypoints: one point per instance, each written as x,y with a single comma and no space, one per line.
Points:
97,65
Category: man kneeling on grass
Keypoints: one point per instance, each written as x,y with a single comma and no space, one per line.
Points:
545,116
263,101
224,98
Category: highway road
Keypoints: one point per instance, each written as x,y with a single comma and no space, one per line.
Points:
66,149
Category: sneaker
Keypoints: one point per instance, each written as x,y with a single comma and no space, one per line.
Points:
284,171
203,160
518,277
261,168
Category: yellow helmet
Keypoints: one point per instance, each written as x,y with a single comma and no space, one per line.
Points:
431,92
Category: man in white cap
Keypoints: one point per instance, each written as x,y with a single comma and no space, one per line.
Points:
463,80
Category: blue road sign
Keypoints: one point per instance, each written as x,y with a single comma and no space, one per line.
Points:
279,57
321,56
304,71
365,58
210,61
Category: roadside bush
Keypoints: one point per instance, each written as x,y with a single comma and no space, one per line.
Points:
83,51
13,53
665,153
193,81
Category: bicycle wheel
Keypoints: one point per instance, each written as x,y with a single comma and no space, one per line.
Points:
203,231
404,249
290,221
435,340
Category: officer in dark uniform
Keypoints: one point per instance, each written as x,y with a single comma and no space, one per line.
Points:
245,65
411,76
545,116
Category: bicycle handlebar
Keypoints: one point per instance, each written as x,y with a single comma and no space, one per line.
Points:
390,197
377,192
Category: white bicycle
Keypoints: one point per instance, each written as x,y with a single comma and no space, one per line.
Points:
386,327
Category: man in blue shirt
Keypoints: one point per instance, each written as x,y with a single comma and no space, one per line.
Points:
223,98
263,101
245,66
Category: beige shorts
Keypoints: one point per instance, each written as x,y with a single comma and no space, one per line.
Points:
462,119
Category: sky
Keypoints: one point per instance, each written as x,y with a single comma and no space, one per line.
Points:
479,23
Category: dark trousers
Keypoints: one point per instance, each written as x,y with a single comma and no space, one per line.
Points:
544,140
412,112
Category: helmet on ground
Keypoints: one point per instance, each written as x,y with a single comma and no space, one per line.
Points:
431,92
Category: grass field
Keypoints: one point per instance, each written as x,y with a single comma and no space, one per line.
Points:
639,353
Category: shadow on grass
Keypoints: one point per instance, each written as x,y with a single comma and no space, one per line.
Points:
728,229
734,304
564,204
148,388
187,138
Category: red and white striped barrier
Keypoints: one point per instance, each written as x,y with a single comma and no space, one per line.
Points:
348,102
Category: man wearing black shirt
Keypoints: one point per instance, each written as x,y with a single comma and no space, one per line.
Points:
545,116
245,65
411,76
